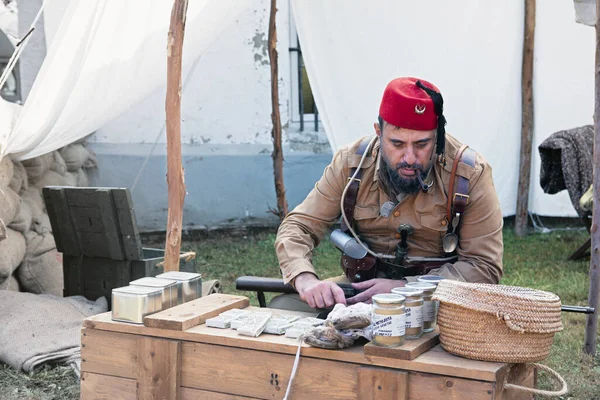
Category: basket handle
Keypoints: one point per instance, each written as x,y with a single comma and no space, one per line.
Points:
512,326
546,393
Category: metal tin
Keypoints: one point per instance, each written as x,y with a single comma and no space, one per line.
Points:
133,303
189,284
168,287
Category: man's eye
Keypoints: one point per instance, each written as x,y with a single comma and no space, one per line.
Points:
421,145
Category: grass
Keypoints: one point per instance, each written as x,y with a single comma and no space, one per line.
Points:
537,261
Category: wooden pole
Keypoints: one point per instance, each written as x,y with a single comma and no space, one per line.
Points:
526,120
282,206
175,182
591,326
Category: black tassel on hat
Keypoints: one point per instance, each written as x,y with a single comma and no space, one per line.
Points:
438,103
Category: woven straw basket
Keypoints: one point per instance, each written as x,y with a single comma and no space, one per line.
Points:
496,322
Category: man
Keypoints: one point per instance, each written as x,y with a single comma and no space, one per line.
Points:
401,211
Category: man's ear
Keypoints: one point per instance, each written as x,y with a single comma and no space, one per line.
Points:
377,129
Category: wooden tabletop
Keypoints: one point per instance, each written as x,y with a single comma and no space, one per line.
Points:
435,361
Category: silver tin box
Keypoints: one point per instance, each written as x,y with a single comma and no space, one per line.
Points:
189,284
168,287
133,303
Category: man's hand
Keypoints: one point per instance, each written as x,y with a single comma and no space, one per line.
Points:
317,293
373,287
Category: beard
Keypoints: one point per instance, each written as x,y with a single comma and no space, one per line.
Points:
400,184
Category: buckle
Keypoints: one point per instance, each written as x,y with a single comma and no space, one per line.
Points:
358,180
464,196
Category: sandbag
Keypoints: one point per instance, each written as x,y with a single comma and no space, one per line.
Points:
9,205
19,182
75,156
38,166
22,221
81,177
58,165
53,178
10,284
41,270
92,161
36,203
12,252
41,224
6,171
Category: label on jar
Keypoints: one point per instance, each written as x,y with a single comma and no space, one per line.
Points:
429,309
414,317
388,325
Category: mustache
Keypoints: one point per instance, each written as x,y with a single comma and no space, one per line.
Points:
405,165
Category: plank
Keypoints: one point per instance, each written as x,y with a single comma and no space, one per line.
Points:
109,353
436,360
410,350
72,275
187,315
101,275
130,235
104,387
122,198
195,394
64,232
432,387
110,222
87,219
158,369
382,384
263,374
82,197
518,374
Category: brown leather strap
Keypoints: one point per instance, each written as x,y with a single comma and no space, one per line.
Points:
461,197
352,192
451,191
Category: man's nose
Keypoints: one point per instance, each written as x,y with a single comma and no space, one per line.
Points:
409,157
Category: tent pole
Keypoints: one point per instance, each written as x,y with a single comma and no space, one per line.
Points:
175,182
277,155
526,120
591,326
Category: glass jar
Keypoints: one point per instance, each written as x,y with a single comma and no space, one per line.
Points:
429,308
414,310
388,319
434,280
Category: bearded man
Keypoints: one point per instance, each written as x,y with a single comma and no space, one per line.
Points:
412,197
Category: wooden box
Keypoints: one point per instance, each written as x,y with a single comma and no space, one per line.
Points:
96,231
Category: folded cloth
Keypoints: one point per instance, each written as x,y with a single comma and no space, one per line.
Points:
39,328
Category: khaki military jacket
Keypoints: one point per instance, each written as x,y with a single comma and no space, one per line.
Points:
480,246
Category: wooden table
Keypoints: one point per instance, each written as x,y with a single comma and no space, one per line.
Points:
126,361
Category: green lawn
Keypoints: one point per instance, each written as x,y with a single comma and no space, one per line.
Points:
537,261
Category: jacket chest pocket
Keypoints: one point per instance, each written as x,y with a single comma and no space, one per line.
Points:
367,218
430,237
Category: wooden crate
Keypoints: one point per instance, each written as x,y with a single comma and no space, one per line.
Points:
128,361
96,231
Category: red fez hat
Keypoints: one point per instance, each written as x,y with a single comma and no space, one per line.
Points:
406,105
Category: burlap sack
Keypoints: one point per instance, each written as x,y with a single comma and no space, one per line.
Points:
81,177
19,182
10,284
41,270
58,165
12,252
92,161
41,225
33,197
38,166
9,205
53,178
75,155
22,221
6,171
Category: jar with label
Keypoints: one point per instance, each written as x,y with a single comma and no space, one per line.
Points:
429,309
388,319
414,310
434,280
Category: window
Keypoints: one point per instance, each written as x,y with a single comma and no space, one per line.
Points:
304,111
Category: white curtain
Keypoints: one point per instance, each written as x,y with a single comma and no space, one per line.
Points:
104,57
470,49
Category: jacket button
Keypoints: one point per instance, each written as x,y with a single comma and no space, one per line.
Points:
444,222
397,235
397,214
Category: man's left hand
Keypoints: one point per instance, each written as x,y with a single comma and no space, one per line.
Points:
373,287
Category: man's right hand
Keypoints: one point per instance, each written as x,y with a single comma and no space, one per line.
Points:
317,293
